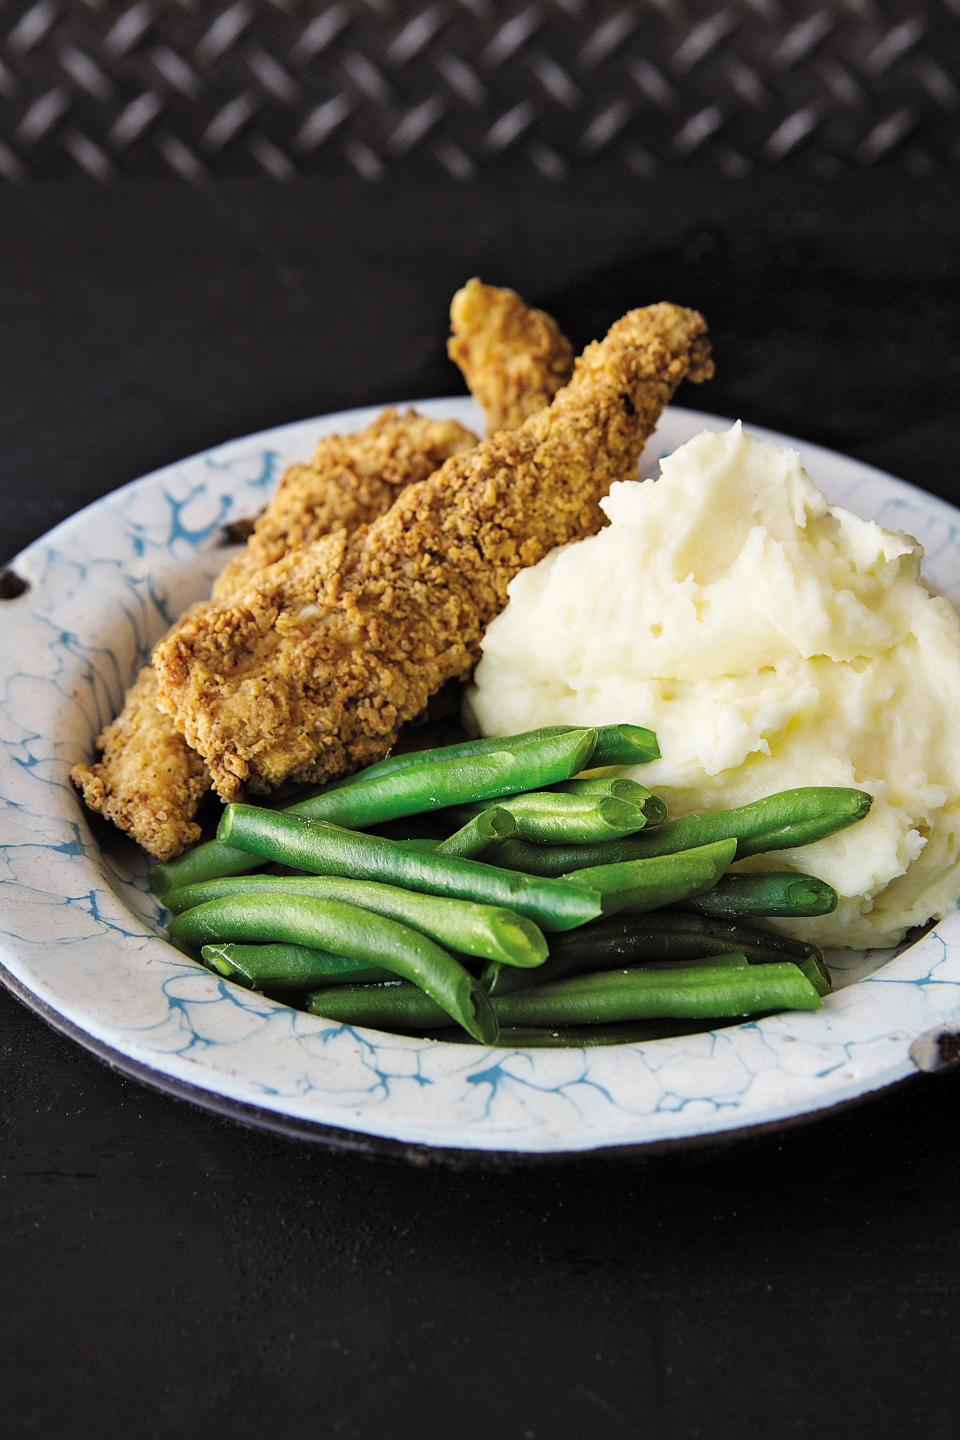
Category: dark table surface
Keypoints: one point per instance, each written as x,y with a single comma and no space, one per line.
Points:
164,1273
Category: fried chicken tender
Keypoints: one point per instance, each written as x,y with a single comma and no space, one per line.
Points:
514,359
351,480
312,671
148,780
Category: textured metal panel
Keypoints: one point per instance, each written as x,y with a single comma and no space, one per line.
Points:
375,87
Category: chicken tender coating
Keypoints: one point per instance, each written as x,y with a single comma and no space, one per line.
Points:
514,359
148,781
351,480
312,671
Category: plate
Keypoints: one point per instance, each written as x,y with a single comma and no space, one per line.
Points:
81,937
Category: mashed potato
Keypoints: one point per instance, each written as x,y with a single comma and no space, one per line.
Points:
771,641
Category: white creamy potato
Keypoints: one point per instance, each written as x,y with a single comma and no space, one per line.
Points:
771,642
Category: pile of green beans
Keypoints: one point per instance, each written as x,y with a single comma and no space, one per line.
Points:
593,918
416,781
343,929
324,849
488,932
777,822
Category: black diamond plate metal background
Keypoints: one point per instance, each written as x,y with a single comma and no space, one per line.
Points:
379,87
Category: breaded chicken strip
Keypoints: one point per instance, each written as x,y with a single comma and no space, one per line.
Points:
351,480
312,671
513,359
148,781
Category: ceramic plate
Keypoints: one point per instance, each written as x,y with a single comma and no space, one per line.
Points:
81,938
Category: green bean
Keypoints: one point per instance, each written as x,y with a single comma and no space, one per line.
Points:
815,971
777,822
429,785
206,861
545,816
621,788
489,932
616,745
705,993
774,892
680,928
585,1037
411,827
288,967
624,745
480,832
657,936
698,993
638,885
327,849
546,973
344,929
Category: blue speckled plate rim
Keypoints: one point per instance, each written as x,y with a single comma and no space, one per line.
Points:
285,1123
372,1146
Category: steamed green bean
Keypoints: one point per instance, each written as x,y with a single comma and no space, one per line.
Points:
588,1037
773,892
551,818
429,785
657,936
476,836
288,967
777,822
328,849
620,787
615,745
339,928
698,993
639,885
489,932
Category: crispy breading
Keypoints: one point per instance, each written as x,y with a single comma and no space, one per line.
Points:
351,480
312,671
148,781
514,359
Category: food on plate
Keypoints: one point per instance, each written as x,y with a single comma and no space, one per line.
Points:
312,671
339,928
541,814
545,952
530,888
769,892
658,937
148,781
407,784
774,822
513,358
706,992
488,932
324,849
773,642
349,481
479,833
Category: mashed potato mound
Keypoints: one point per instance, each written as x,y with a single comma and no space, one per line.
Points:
771,641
